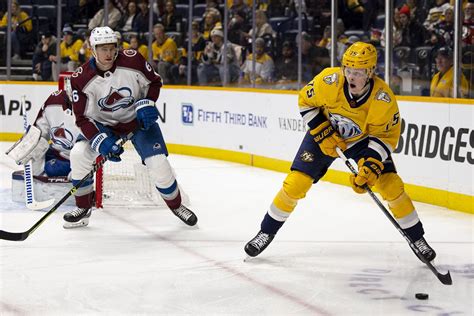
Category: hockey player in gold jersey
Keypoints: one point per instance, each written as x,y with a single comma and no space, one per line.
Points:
351,108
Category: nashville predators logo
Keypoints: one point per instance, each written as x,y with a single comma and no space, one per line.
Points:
307,156
345,126
330,79
383,96
62,137
120,98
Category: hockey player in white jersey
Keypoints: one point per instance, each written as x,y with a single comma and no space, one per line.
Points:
48,142
114,94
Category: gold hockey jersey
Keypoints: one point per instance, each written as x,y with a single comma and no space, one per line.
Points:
374,115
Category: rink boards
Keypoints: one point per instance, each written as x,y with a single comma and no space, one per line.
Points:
263,128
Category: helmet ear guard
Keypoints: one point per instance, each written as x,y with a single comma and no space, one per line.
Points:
362,56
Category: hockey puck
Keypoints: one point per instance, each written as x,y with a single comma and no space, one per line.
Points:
421,296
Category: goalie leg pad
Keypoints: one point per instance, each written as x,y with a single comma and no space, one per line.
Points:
25,145
391,187
162,176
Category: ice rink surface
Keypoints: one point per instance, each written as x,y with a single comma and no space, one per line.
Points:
336,255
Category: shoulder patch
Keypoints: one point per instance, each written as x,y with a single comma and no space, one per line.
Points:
330,79
77,72
383,96
129,52
56,93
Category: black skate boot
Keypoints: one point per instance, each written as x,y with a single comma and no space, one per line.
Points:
258,244
426,253
186,215
77,218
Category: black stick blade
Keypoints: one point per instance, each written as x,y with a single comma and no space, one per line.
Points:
445,278
13,236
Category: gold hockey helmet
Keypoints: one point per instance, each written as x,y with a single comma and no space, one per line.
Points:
361,55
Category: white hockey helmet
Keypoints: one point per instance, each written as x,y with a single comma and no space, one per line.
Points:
102,35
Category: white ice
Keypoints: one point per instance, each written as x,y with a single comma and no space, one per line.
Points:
337,255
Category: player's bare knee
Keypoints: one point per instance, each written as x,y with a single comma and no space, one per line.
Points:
160,170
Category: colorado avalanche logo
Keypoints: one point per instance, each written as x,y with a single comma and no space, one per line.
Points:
345,126
62,137
120,98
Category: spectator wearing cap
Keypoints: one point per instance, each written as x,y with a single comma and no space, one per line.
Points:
211,69
69,50
41,64
442,82
264,66
443,32
114,16
412,34
21,27
435,14
165,53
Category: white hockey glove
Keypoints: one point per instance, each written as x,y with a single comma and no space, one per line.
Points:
31,146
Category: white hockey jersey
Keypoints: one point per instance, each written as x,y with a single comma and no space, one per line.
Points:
108,97
57,123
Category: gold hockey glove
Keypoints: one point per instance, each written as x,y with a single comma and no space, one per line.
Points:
370,170
328,139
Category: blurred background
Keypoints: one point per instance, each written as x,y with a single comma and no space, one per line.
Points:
425,46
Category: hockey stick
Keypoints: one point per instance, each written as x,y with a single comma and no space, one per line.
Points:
443,278
23,235
30,201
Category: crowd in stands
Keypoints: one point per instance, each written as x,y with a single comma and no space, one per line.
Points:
421,28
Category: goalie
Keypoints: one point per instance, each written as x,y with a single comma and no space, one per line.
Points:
48,142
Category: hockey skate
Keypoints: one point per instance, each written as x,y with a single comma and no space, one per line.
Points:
77,218
426,253
258,244
186,215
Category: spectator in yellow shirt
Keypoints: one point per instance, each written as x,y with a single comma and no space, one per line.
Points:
165,53
69,50
21,27
442,82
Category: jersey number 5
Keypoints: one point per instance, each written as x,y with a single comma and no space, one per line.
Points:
395,120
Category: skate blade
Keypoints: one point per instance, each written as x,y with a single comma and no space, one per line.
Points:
81,223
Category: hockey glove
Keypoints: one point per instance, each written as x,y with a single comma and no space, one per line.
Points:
107,145
147,113
328,139
370,170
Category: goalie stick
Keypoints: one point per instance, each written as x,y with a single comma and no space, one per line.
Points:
23,235
30,201
443,278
